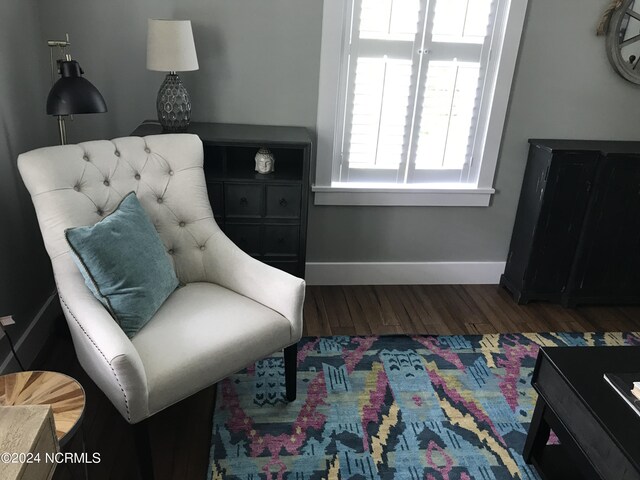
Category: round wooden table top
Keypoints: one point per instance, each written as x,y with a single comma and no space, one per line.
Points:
63,393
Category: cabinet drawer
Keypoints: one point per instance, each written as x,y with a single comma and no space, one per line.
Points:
247,237
283,201
281,239
243,200
216,198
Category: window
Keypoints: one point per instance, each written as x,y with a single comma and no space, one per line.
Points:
412,100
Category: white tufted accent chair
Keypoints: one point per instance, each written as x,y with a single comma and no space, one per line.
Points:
232,309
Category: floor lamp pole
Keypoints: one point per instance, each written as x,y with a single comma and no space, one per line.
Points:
62,130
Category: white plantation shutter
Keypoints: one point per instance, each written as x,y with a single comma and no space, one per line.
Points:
413,81
378,124
446,122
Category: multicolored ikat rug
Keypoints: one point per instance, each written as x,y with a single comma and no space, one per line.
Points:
401,408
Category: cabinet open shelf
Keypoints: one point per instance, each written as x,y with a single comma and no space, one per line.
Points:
225,162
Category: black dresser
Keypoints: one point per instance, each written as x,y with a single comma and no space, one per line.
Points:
576,238
265,215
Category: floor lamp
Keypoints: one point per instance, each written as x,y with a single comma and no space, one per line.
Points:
72,93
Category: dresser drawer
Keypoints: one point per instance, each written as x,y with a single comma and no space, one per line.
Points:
216,198
243,200
283,201
281,239
247,237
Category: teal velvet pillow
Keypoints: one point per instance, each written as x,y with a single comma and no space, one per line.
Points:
124,264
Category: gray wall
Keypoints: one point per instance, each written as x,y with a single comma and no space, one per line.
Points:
25,273
563,88
258,59
259,64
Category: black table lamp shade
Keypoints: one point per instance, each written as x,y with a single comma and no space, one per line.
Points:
72,94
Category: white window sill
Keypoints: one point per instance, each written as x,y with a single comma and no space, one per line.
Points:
401,195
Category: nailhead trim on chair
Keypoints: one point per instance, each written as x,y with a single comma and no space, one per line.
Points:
124,394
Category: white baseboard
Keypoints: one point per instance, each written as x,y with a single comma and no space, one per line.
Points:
403,273
30,343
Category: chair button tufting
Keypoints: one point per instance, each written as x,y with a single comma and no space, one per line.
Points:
100,212
85,157
170,172
117,153
182,224
76,188
201,247
171,251
137,176
159,199
146,149
106,183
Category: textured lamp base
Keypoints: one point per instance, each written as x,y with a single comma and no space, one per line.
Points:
173,104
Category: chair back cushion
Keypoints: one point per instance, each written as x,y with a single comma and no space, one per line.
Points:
77,185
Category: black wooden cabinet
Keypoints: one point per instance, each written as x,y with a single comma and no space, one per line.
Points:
576,237
265,215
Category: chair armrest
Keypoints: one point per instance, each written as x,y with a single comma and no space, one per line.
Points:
230,267
104,350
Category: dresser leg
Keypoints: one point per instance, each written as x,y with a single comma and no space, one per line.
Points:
290,370
538,432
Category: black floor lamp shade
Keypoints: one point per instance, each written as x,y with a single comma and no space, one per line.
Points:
72,94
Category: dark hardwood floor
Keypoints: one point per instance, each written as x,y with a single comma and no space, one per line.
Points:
448,310
181,434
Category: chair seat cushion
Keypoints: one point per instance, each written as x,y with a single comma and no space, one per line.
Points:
124,264
201,334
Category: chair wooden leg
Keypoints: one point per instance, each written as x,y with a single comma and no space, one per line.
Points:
290,370
143,447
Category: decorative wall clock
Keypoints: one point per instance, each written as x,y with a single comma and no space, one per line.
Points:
623,38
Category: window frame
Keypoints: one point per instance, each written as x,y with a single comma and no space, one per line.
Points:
505,42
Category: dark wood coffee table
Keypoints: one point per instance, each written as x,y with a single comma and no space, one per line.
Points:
599,433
